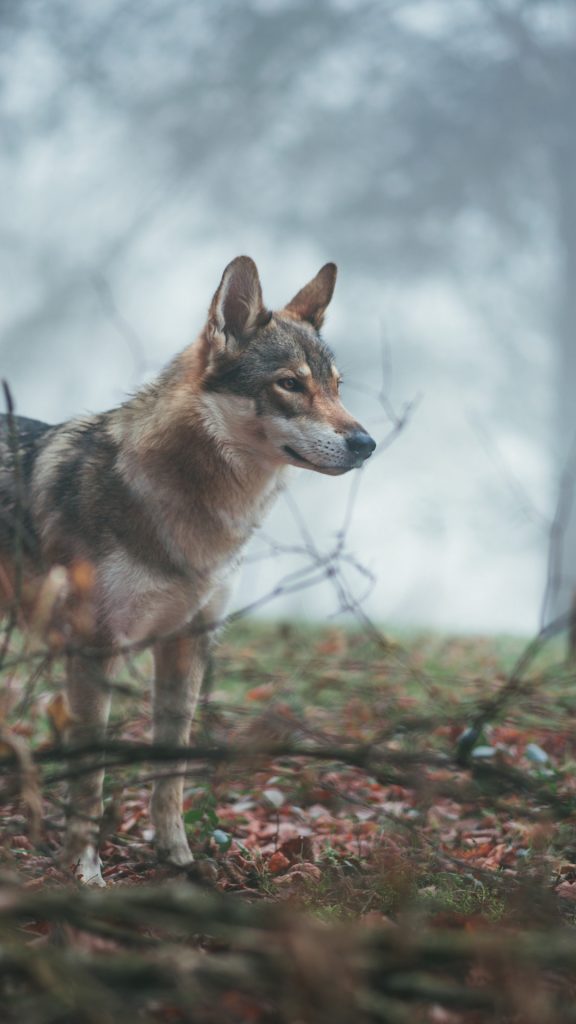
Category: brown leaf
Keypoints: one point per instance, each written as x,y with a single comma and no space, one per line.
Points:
264,692
59,714
567,890
299,876
278,862
335,642
298,849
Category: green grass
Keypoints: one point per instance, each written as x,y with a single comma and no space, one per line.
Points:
409,693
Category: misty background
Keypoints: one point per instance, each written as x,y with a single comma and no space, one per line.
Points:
429,149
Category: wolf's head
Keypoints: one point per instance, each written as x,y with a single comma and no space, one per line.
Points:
270,382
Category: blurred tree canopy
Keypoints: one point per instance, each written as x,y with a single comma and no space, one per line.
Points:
411,135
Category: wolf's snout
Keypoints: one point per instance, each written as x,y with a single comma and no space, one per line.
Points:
360,443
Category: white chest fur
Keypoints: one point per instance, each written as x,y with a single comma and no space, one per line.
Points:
203,542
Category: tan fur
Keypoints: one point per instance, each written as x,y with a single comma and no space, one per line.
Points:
157,498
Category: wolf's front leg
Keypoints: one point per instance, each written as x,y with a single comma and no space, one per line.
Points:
180,663
89,699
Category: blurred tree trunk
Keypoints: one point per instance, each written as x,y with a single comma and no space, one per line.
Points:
564,587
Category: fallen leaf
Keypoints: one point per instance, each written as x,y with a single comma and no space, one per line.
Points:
300,876
567,890
59,714
278,862
335,642
264,692
298,849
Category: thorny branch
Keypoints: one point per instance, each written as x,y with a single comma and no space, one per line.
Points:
400,768
491,709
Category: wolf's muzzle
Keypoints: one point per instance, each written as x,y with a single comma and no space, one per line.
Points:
360,443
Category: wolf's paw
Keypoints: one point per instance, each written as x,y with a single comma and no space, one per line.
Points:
88,867
179,854
171,842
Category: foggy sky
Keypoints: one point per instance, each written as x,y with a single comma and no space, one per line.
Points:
111,252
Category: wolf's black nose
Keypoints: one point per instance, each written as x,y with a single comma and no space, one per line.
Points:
360,443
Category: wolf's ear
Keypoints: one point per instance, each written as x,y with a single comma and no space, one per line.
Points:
311,301
237,309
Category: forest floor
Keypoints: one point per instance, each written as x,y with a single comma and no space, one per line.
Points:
349,798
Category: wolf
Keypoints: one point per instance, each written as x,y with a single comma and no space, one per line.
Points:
158,497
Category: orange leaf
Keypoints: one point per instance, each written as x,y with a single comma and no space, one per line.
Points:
482,850
263,692
278,862
59,713
335,642
82,576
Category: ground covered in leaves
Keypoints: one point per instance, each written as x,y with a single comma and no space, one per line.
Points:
383,831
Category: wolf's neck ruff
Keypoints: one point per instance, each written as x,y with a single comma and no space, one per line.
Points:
205,478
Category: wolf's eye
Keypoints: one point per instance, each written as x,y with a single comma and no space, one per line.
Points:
288,384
